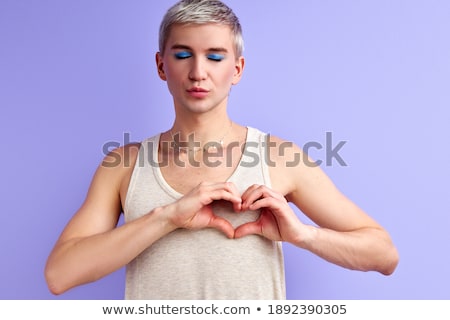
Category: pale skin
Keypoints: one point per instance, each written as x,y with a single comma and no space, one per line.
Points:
92,246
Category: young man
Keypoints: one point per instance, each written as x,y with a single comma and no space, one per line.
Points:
206,203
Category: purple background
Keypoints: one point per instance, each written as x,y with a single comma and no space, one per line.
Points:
77,74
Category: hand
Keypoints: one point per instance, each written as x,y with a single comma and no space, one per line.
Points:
193,211
277,220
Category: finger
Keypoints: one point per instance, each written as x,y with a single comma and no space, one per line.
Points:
231,187
228,185
255,193
208,192
221,194
247,229
223,226
270,203
250,190
250,195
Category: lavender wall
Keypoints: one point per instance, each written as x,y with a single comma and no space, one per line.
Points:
76,74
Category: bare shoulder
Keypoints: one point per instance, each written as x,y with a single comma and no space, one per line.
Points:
117,167
121,158
289,166
102,206
304,183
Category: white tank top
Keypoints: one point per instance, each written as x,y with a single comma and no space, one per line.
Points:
203,264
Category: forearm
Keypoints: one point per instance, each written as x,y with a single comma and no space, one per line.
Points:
82,260
367,249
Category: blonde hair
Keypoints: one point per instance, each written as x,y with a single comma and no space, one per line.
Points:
201,12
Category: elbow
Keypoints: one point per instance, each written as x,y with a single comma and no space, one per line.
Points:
54,281
391,261
54,289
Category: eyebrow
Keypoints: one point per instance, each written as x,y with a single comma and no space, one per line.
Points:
185,47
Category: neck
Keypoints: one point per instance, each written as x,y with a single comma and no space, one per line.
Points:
205,127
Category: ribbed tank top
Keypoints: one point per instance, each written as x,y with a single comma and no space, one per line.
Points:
202,264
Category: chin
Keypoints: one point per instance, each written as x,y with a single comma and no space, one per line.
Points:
201,108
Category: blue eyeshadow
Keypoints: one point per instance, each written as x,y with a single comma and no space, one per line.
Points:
183,55
215,56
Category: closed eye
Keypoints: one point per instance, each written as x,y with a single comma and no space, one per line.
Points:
215,57
183,55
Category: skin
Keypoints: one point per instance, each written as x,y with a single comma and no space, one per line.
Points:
92,246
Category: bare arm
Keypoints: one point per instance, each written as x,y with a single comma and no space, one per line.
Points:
345,235
91,246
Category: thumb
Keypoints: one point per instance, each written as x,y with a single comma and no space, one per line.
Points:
222,225
248,229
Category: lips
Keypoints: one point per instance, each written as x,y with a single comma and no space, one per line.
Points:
197,92
197,89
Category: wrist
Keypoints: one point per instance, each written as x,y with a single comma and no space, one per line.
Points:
307,237
162,215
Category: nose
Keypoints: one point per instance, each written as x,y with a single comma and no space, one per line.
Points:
198,70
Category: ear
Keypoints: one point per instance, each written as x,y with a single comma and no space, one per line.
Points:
160,66
239,69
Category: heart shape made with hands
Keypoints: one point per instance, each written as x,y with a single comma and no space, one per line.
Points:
259,210
261,220
225,209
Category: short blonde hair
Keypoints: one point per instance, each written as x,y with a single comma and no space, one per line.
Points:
201,12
